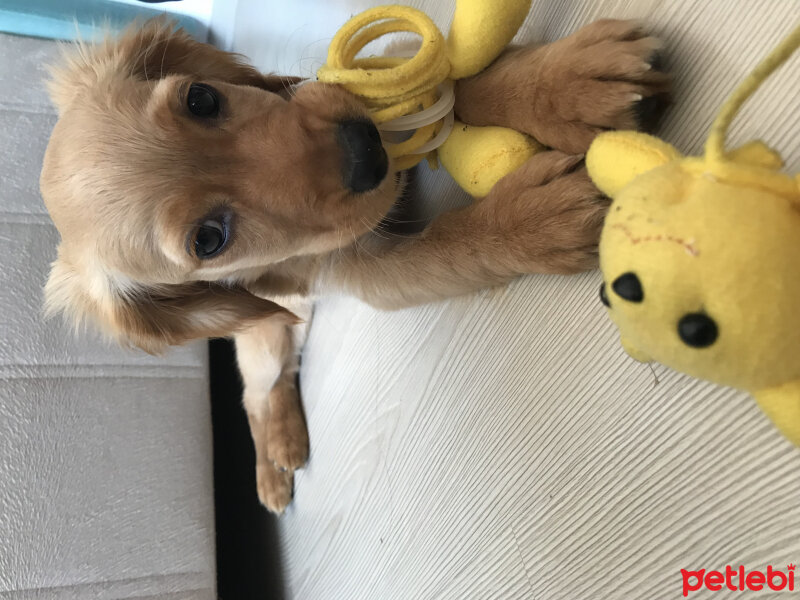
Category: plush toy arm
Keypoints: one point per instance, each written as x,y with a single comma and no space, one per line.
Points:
478,157
480,31
782,405
615,158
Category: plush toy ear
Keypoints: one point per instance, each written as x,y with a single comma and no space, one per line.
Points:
615,158
756,153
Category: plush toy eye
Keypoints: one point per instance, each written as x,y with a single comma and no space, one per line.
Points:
628,287
202,100
604,296
697,330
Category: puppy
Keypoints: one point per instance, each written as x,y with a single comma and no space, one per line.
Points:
197,197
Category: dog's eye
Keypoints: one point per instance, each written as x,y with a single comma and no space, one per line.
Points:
202,100
211,238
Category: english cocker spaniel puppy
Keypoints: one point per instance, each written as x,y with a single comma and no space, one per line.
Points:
197,197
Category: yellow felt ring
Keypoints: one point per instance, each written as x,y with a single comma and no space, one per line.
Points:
435,73
399,92
431,51
369,34
393,111
347,42
379,62
417,103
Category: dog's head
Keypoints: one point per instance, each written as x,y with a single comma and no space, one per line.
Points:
175,168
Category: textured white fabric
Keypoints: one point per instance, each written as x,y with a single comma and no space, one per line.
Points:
502,445
106,487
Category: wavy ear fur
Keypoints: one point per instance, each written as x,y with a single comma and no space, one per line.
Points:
148,51
152,318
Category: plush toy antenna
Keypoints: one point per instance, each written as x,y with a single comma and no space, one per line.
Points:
715,146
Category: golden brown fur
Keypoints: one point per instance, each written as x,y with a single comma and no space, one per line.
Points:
129,174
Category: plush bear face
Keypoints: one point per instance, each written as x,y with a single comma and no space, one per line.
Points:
700,273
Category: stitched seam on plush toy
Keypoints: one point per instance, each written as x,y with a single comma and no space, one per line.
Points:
744,177
687,245
658,153
491,163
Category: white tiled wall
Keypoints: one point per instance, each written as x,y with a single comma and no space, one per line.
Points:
105,455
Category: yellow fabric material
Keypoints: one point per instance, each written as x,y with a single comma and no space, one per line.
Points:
717,235
756,153
405,107
377,78
782,405
479,32
478,157
617,157
393,87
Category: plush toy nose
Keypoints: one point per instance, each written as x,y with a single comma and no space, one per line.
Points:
697,330
364,163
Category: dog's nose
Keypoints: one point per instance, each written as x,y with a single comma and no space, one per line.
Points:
364,163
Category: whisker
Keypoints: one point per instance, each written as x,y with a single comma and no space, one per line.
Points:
163,56
376,229
144,62
299,62
361,246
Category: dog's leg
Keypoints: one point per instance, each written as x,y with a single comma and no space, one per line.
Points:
545,217
607,75
267,354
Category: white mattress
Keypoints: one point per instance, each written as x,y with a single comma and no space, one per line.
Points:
502,445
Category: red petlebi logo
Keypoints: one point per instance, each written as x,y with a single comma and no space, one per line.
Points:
738,579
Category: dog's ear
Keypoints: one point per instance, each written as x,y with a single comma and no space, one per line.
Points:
160,47
152,318
150,51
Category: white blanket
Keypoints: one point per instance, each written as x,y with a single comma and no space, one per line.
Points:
502,445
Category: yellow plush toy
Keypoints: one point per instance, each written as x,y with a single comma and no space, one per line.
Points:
413,97
701,256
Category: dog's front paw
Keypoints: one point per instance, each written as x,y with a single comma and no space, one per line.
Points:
546,216
274,487
605,76
287,435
